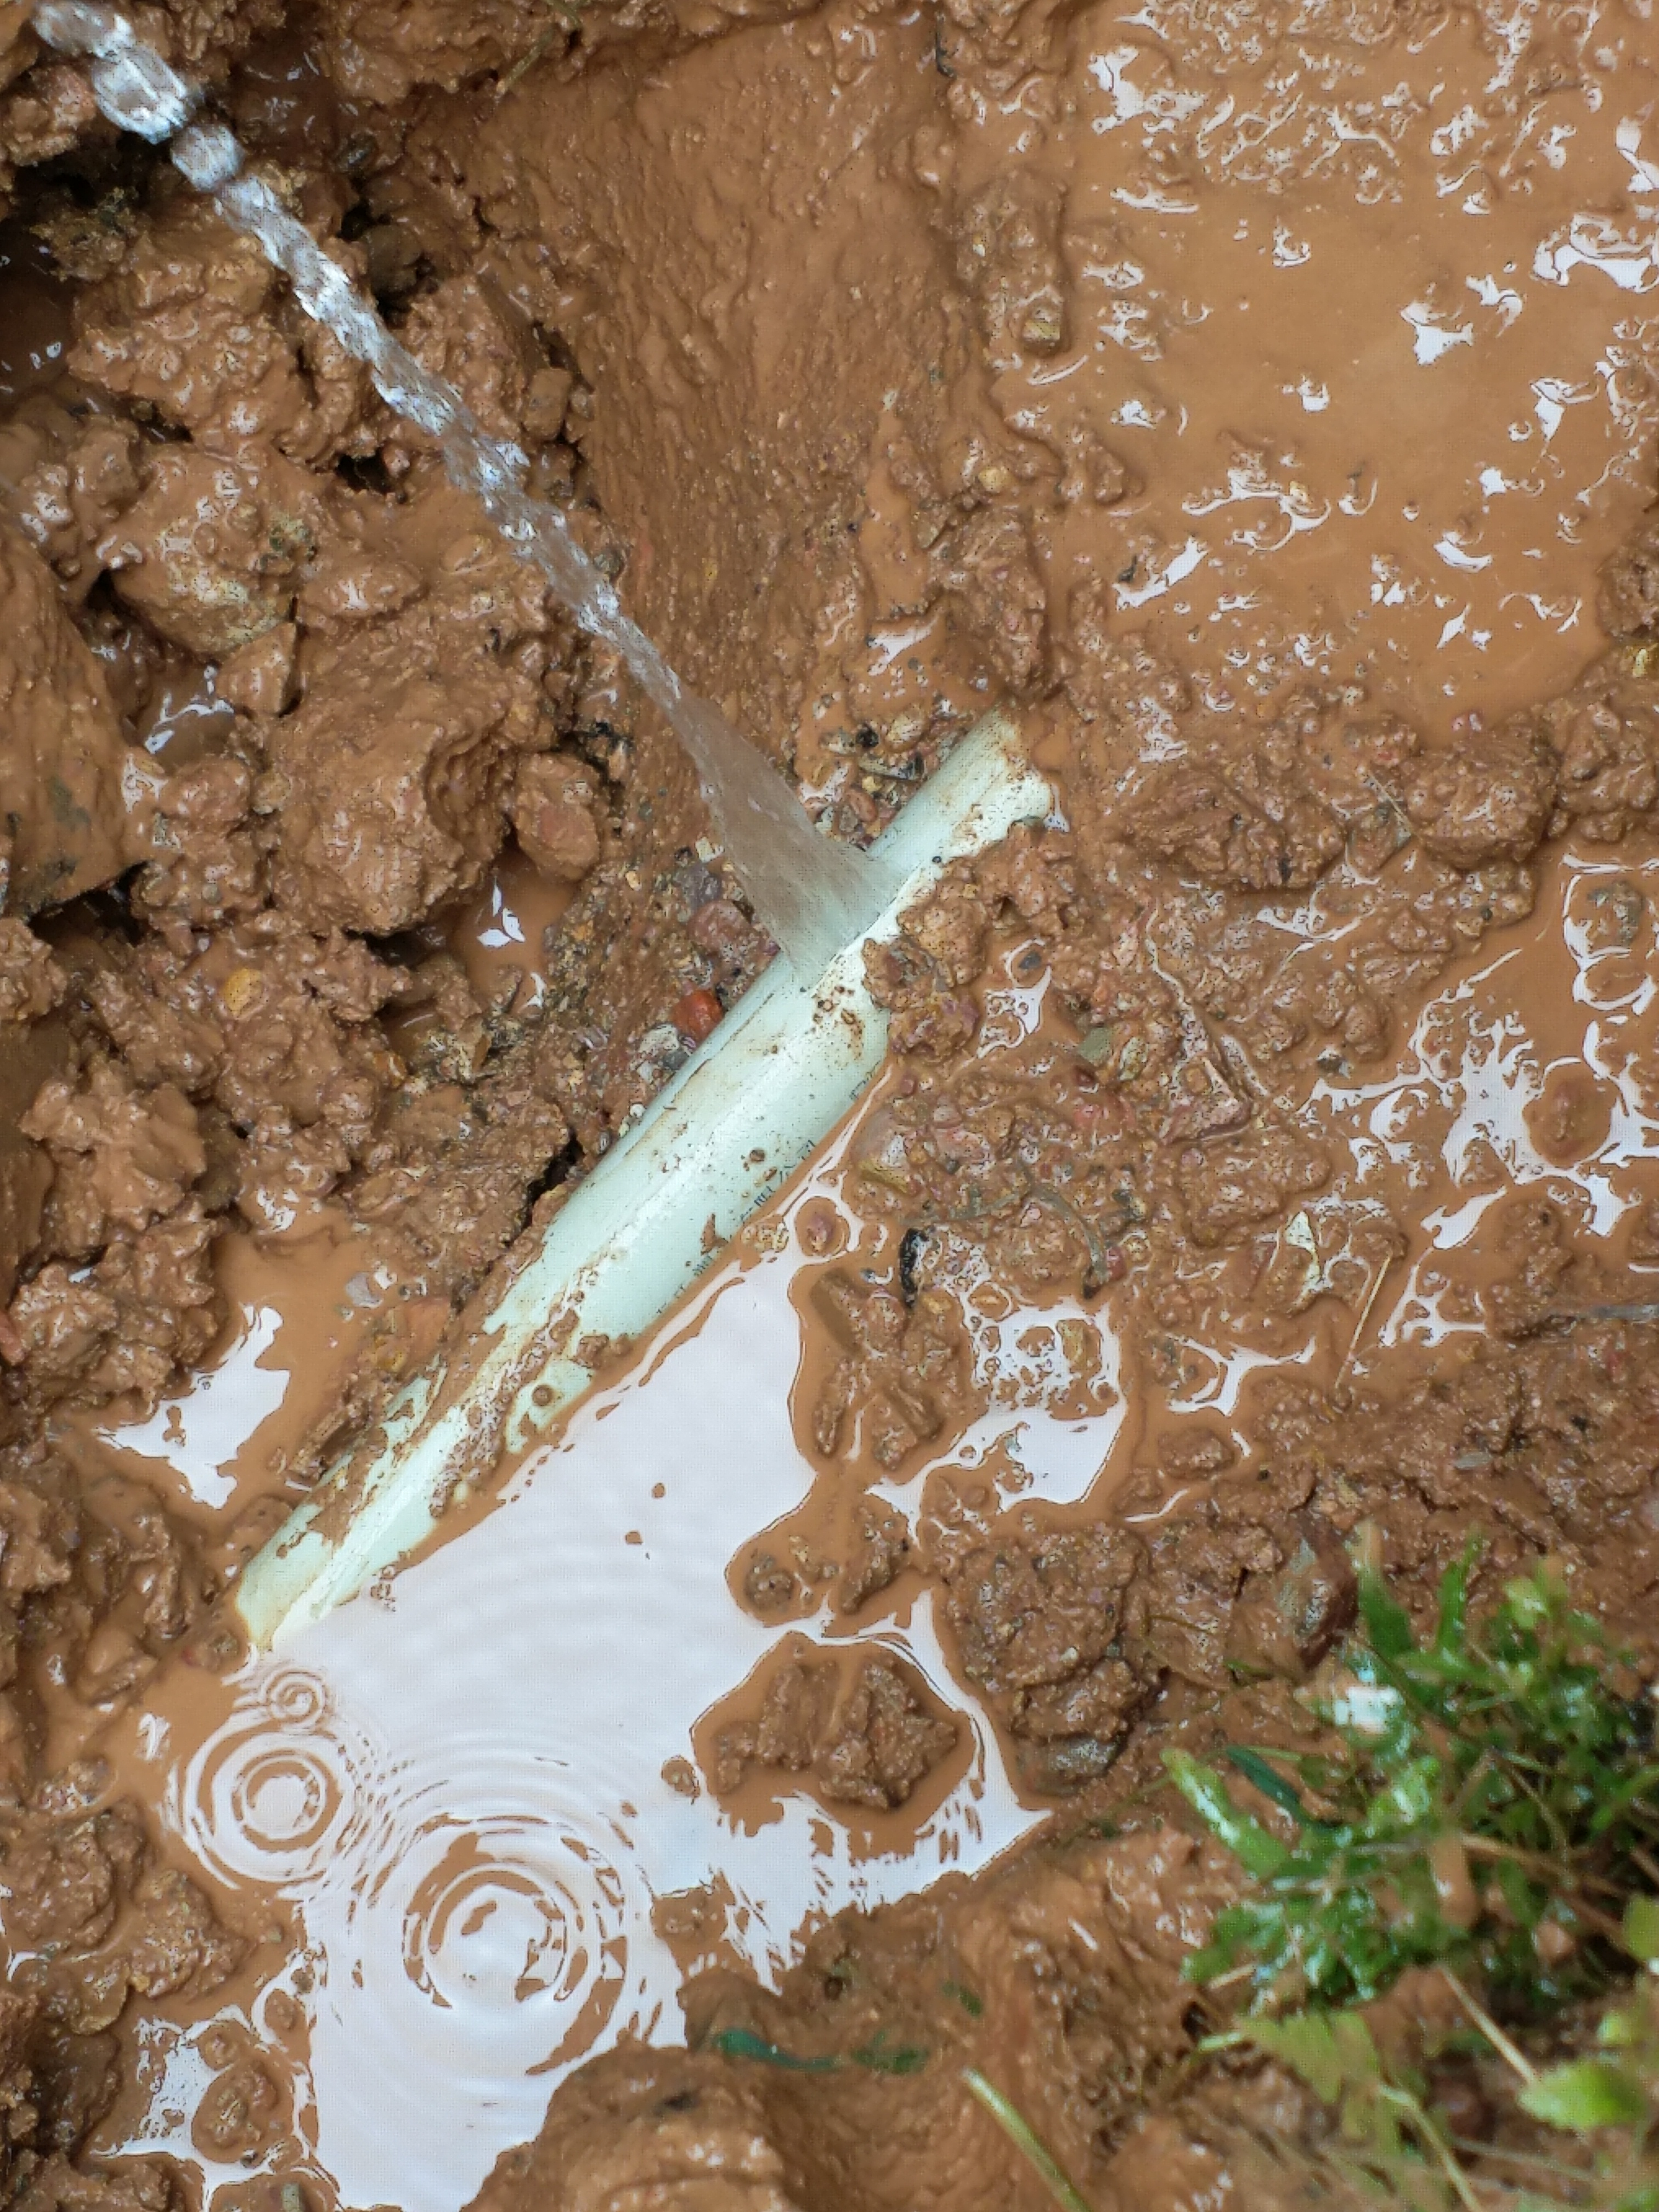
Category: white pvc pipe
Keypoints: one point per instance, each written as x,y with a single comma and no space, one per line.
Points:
749,1106
736,1121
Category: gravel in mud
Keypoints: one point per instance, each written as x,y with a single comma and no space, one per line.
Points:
1261,397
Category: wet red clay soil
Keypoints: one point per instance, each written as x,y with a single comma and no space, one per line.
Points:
1263,400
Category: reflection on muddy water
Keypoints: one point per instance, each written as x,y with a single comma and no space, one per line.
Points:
472,1796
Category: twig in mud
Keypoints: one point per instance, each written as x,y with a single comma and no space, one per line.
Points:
1377,1281
1026,2140
1389,801
1637,1313
1479,2018
1439,2149
566,16
1239,1063
1527,2158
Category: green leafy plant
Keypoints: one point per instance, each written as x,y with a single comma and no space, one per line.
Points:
1387,2144
1489,1808
1486,1806
1610,2097
1490,1800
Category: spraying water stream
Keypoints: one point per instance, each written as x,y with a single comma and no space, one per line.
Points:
815,897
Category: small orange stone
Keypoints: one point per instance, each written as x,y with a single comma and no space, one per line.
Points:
697,1014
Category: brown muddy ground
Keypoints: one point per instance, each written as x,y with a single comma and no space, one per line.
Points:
1262,395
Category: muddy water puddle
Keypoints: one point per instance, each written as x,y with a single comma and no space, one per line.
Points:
466,1811
456,1786
300,1316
